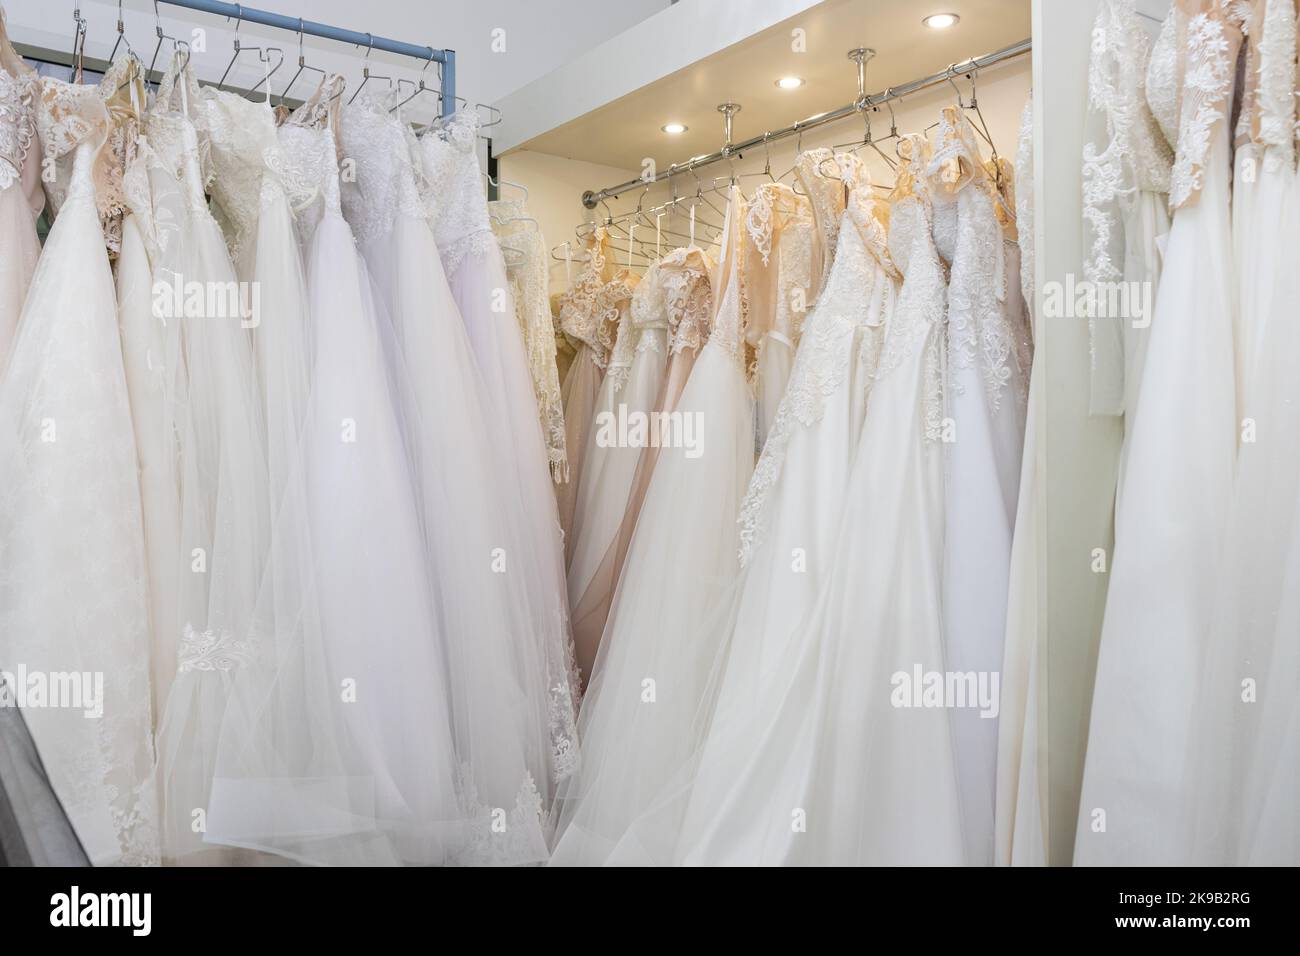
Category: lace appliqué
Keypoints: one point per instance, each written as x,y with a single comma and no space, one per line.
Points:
17,124
495,840
210,651
1207,81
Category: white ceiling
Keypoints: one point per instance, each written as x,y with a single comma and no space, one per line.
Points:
626,130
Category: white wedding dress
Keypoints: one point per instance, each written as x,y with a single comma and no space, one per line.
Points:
504,701
476,273
224,507
985,394
1171,518
1020,802
1243,778
317,760
1126,166
654,659
806,762
72,562
633,378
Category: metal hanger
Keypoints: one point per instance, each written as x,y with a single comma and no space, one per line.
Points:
419,85
263,54
302,65
366,75
121,35
78,44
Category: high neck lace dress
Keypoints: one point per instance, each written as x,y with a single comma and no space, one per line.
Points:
72,561
779,237
988,359
653,662
584,323
610,458
1182,446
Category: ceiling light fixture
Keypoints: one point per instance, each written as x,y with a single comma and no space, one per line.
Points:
790,82
673,128
941,21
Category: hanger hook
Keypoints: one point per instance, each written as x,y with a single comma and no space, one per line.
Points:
948,75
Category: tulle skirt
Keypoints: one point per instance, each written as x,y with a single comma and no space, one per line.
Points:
72,553
495,613
338,745
1180,464
655,658
579,392
608,474
1243,783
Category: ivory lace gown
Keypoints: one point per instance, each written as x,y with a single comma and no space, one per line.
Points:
72,562
988,357
1126,167
1180,463
583,322
1243,782
803,763
627,394
506,704
779,237
683,297
21,198
529,283
654,661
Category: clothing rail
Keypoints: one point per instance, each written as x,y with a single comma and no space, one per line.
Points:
296,25
591,198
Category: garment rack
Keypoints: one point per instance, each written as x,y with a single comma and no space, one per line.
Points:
446,58
591,198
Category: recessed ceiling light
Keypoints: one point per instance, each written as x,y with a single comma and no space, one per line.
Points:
673,128
790,82
941,21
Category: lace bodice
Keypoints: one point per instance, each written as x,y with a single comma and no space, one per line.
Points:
174,137
858,294
614,307
624,292
684,280
1273,124
1126,152
580,318
1206,41
826,196
981,331
307,148
454,195
778,262
248,169
384,186
1025,207
72,122
528,283
18,96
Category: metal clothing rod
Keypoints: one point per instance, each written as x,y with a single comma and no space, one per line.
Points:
591,199
295,25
